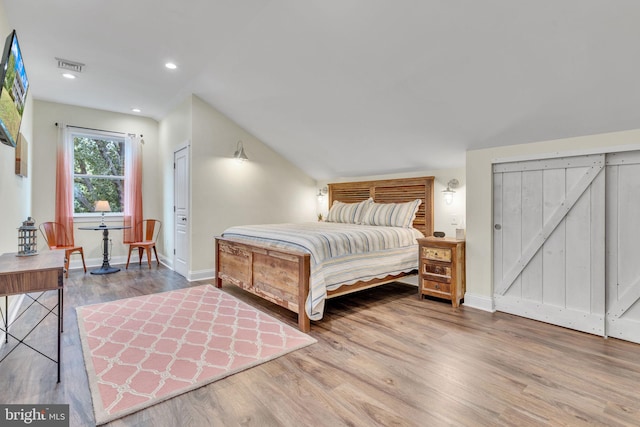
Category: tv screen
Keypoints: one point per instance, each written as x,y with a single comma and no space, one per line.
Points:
13,93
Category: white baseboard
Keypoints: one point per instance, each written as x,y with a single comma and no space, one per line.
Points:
208,274
167,262
76,264
481,302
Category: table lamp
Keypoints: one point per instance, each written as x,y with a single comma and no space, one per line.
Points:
102,206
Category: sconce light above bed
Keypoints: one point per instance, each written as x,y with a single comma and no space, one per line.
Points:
240,155
322,194
448,192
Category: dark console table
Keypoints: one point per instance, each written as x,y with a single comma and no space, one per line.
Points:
106,268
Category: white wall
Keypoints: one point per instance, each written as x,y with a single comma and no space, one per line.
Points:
15,191
480,200
43,173
174,131
441,211
266,189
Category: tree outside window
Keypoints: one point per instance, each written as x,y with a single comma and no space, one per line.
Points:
98,171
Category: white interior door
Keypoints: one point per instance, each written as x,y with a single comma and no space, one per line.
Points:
549,238
181,210
623,246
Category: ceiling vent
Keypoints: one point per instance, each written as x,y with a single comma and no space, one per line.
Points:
70,65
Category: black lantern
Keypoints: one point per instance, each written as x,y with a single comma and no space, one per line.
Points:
27,238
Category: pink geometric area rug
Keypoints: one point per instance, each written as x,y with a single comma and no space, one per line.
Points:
144,350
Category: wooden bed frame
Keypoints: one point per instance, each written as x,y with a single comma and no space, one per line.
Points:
282,277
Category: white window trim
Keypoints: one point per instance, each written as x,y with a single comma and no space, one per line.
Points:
93,216
87,217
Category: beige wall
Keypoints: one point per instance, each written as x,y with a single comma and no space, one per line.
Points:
43,172
174,131
265,189
479,198
15,191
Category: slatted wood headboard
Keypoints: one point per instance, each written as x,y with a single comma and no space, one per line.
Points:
391,191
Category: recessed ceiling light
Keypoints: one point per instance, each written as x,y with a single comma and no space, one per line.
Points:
69,76
171,65
136,110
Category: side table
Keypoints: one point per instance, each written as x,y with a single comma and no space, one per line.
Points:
106,268
37,273
442,269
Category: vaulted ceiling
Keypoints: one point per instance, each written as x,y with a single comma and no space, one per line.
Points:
350,87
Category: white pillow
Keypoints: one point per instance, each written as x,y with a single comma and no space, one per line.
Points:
392,214
348,213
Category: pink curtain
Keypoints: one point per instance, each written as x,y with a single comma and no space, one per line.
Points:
64,185
132,190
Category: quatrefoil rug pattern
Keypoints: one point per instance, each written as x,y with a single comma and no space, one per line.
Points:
143,350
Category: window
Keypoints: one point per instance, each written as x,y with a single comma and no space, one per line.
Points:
98,170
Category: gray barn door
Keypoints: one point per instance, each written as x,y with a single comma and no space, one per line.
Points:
549,240
623,246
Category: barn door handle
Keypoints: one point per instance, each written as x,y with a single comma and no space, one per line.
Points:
497,226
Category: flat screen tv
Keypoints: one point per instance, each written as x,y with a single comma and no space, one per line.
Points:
13,93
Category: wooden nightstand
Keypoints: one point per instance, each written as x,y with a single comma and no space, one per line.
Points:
442,268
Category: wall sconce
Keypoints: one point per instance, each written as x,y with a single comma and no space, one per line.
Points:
322,193
240,155
448,193
102,206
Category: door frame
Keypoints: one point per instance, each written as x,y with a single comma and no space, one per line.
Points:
186,145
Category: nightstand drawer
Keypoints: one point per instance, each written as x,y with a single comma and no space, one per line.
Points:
438,270
437,254
438,287
437,278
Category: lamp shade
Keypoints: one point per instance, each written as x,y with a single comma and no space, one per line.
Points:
448,192
102,206
448,195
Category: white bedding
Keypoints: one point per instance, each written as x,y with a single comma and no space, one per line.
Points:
341,254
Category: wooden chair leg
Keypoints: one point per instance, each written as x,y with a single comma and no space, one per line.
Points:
140,253
156,252
149,257
129,257
83,264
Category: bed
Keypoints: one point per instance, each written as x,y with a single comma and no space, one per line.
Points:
286,272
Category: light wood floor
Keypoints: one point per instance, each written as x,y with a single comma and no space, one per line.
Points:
383,358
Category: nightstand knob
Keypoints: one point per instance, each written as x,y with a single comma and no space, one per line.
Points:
437,286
